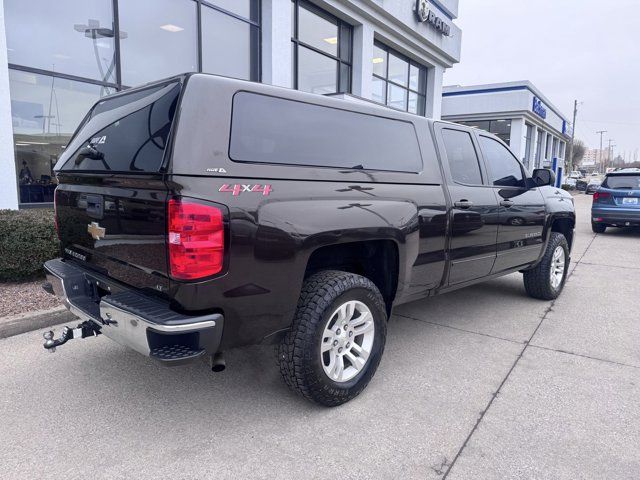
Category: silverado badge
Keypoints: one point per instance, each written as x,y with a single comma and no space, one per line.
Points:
96,231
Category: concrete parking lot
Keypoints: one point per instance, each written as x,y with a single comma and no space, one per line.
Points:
483,383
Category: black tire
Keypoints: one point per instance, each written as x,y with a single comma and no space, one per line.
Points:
537,281
598,227
299,353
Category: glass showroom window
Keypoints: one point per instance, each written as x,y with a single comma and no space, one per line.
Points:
248,9
528,148
397,81
321,47
66,36
64,55
157,42
45,111
231,43
500,128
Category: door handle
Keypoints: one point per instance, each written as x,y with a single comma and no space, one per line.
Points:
463,204
506,203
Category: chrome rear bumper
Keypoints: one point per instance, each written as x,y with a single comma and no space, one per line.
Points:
137,321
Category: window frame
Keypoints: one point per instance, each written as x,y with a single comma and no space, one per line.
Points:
523,171
342,58
422,95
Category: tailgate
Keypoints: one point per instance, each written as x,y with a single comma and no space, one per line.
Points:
111,200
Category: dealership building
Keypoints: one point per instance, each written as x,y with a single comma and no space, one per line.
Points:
519,114
58,58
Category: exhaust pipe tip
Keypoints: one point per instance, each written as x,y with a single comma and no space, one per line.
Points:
218,363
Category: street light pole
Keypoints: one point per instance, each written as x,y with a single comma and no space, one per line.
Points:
601,132
573,135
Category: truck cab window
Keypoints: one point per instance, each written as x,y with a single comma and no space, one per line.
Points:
462,157
505,169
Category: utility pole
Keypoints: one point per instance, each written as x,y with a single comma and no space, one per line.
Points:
610,153
573,135
601,132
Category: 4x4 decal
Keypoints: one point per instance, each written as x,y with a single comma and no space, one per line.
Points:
237,189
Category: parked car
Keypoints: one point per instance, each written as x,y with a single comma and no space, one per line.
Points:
617,201
570,182
250,214
581,185
592,186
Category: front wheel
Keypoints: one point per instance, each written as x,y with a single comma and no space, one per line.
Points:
547,279
336,340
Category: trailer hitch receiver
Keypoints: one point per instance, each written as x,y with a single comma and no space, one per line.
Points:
83,330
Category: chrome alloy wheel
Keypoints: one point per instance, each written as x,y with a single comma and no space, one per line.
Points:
557,267
347,341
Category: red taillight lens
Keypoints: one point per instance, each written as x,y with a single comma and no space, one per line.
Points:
55,213
196,239
597,196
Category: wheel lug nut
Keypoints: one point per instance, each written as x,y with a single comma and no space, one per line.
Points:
351,334
338,332
348,344
335,343
340,350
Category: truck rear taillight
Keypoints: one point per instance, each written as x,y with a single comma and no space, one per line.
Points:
598,196
196,239
55,213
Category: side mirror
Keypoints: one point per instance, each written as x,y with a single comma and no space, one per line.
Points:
543,176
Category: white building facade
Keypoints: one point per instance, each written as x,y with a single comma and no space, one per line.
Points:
594,157
519,114
58,58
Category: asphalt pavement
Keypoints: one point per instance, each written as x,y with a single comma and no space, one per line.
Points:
482,383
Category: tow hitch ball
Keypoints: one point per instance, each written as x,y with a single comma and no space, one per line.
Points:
84,330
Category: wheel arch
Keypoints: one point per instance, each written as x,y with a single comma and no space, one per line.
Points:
564,224
377,260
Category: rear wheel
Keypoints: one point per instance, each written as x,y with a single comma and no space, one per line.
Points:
547,279
336,340
598,227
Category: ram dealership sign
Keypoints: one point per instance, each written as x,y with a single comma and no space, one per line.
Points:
426,14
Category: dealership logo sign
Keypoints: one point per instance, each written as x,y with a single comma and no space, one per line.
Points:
426,14
538,108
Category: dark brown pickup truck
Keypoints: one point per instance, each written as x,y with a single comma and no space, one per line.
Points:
203,213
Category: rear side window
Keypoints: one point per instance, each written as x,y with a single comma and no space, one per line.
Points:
274,130
128,133
623,182
462,157
505,169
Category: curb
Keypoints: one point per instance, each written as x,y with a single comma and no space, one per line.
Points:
27,322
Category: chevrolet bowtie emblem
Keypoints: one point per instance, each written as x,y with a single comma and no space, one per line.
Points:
96,231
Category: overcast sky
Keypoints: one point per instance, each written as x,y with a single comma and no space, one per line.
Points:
570,49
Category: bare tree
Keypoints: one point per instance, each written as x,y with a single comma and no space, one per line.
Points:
579,149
